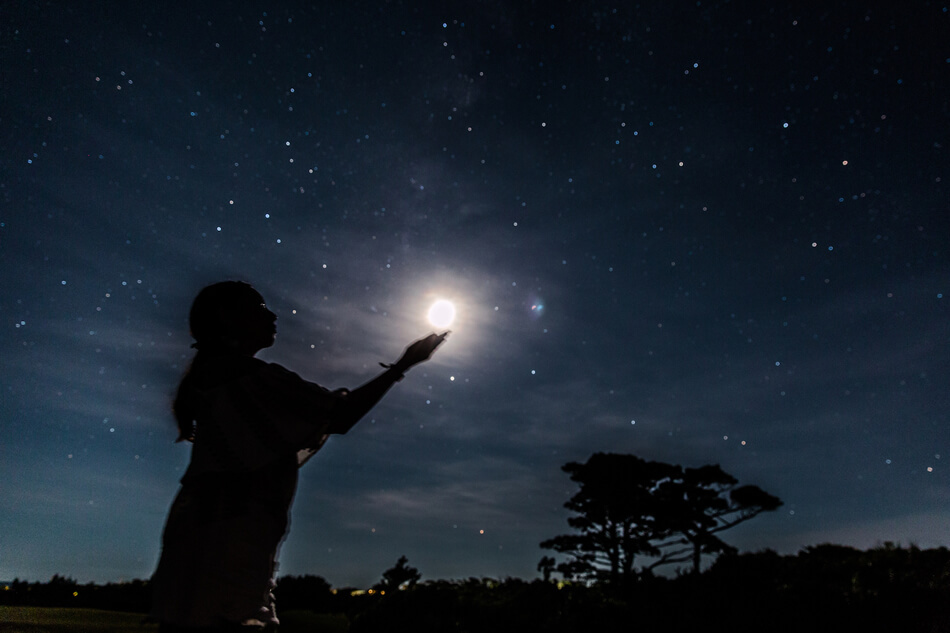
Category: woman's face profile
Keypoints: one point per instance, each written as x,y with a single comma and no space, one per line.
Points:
232,315
252,325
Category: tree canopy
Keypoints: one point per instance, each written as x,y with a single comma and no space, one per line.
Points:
628,507
400,575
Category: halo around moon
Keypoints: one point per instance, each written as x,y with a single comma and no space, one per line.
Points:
441,313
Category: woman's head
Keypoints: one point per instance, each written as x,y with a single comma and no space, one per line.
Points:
232,316
229,317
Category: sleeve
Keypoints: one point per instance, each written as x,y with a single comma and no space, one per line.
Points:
299,413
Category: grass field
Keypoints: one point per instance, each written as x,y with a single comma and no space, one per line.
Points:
53,620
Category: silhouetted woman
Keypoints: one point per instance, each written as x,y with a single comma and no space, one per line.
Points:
252,425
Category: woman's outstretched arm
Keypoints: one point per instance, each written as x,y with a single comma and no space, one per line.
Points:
353,405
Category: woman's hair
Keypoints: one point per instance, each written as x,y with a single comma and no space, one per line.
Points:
210,330
185,409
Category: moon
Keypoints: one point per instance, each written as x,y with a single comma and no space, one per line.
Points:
441,313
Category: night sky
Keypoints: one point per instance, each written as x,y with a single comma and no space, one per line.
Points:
697,232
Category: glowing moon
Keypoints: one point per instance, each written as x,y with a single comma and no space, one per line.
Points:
442,313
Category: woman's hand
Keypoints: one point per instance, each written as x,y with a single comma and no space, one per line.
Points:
420,351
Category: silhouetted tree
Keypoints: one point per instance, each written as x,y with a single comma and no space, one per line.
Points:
546,566
398,575
627,506
303,592
616,518
701,503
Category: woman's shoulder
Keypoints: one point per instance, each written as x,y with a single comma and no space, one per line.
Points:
278,378
212,371
274,369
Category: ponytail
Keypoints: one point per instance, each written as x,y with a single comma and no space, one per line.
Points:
185,409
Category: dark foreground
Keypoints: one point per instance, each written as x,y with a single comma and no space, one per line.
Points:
824,588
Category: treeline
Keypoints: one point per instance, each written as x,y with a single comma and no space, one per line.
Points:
61,591
822,588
